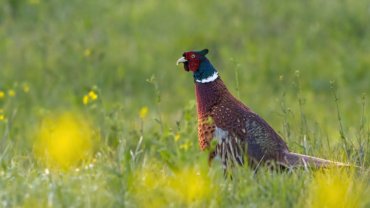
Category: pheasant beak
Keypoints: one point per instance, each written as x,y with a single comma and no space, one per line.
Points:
181,60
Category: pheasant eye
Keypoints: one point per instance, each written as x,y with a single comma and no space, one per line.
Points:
192,56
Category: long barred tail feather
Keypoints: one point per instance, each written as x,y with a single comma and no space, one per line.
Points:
292,159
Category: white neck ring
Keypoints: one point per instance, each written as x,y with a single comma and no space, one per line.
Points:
208,79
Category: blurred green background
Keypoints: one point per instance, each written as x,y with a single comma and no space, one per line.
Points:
295,63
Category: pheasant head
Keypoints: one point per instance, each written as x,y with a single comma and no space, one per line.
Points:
197,62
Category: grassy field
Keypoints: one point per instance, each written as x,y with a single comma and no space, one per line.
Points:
95,113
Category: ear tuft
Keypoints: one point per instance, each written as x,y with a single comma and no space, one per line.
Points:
204,52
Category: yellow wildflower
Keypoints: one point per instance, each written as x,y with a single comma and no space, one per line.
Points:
92,95
194,187
143,112
85,100
89,97
63,141
2,94
87,52
11,93
334,188
185,146
153,186
2,116
177,137
26,88
148,184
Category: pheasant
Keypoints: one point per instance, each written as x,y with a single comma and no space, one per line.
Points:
239,132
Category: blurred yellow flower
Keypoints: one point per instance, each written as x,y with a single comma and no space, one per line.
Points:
87,52
63,141
143,112
185,146
147,185
85,100
89,97
190,186
334,188
92,95
11,93
2,94
153,185
26,88
177,137
2,117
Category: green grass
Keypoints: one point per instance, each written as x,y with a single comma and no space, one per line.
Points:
304,66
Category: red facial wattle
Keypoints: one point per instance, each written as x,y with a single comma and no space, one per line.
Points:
193,65
193,61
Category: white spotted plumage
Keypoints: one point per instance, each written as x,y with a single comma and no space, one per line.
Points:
221,135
